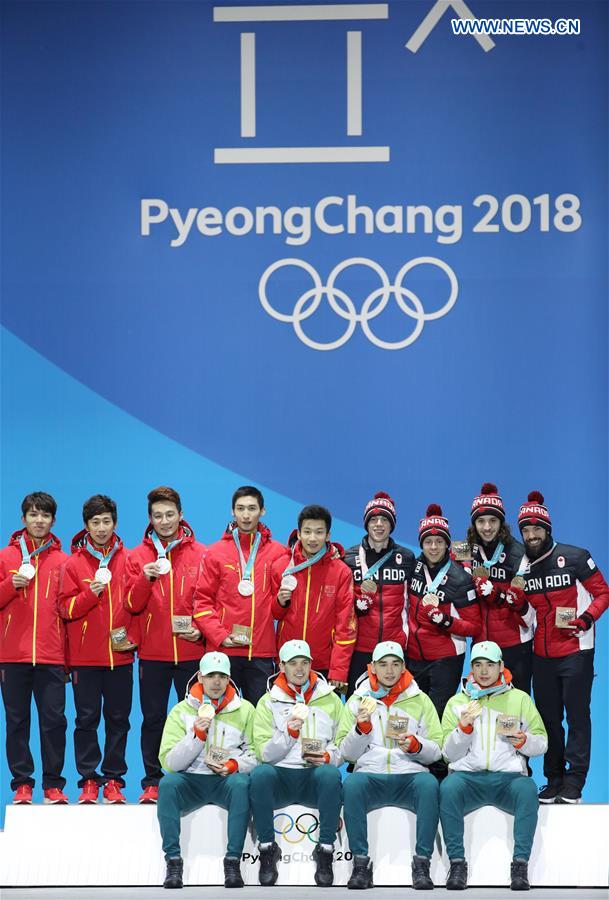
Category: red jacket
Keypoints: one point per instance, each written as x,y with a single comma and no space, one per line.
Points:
218,603
458,601
154,603
321,611
89,618
568,577
31,629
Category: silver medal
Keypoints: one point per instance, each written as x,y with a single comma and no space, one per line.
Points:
245,588
289,582
103,575
163,565
27,570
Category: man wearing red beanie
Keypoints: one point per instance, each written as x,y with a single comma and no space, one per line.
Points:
496,556
381,569
568,594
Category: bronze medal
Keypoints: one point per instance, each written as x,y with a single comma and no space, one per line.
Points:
369,586
431,600
480,572
518,582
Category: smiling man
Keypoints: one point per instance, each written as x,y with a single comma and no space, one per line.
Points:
381,569
207,753
100,649
490,730
32,649
568,594
161,574
294,729
313,588
390,730
233,596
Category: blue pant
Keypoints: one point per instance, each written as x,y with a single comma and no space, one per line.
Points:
183,792
364,792
319,787
463,792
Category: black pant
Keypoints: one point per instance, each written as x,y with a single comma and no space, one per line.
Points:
156,678
565,684
359,663
251,675
519,660
47,684
92,684
440,680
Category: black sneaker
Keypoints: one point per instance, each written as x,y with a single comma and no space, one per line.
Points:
324,874
361,876
269,857
421,879
550,792
457,875
519,875
569,793
232,872
173,875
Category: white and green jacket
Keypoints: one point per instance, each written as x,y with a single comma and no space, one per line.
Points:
374,752
273,743
484,750
231,728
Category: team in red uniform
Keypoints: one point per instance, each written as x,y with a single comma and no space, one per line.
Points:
32,649
313,591
161,575
100,649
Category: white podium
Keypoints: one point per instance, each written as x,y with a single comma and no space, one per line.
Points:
121,845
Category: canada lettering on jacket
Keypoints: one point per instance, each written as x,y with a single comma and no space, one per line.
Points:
550,581
397,575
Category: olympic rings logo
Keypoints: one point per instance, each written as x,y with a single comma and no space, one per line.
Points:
305,825
408,302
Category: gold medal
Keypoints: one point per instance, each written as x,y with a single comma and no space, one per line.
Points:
518,582
367,704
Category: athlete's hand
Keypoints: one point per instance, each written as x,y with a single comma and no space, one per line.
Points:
439,618
409,743
315,759
151,570
284,597
516,740
580,625
294,723
193,634
516,598
484,587
20,581
341,686
229,642
97,587
470,713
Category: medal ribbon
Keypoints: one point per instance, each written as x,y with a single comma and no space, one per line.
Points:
104,560
25,556
213,703
246,570
526,564
291,569
158,546
300,692
371,572
379,693
489,563
432,585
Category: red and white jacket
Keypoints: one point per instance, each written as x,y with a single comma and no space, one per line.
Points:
458,601
90,619
567,576
321,610
31,629
219,605
499,620
154,603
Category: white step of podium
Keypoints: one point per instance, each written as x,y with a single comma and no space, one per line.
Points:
121,845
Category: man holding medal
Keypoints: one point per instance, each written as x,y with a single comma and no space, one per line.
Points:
390,730
232,606
32,649
100,649
567,593
495,558
160,575
490,731
313,590
207,752
381,569
294,729
443,612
